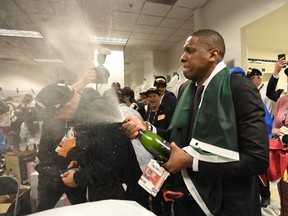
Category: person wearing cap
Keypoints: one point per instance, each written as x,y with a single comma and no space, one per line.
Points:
56,105
255,76
168,99
159,116
106,157
238,71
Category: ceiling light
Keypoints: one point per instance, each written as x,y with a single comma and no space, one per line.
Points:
107,40
48,60
261,61
166,2
20,33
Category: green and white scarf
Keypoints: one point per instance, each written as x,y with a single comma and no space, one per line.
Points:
214,137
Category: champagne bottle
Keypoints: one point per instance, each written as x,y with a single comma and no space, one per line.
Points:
155,144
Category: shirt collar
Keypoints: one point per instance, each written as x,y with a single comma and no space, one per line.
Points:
221,65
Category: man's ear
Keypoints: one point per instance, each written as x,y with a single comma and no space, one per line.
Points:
214,55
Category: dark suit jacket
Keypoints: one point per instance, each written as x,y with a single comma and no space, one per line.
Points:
240,179
169,100
271,92
163,123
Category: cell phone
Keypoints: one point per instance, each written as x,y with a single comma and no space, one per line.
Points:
281,56
61,171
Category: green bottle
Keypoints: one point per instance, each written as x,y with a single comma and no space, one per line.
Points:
155,144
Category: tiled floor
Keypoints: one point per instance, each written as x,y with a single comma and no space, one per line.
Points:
274,192
274,208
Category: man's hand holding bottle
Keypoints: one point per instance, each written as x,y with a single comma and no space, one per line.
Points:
132,126
178,159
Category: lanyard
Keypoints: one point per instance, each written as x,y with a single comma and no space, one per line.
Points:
155,114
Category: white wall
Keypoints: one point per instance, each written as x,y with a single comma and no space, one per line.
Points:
115,65
228,20
227,17
149,72
160,63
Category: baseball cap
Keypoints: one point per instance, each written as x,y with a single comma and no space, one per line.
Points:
253,72
152,89
54,96
160,80
236,70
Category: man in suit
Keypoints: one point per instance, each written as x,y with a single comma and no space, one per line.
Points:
220,152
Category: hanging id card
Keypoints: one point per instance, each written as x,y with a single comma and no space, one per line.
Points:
153,177
67,143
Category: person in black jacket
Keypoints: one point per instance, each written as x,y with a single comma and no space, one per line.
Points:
105,157
56,105
160,117
271,91
55,124
168,99
221,152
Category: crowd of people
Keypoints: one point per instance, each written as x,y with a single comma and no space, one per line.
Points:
219,128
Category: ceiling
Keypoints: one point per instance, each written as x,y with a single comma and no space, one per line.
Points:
67,24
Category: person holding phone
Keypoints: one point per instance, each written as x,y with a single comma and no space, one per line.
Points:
271,91
283,57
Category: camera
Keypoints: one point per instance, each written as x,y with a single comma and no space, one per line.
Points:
102,75
284,139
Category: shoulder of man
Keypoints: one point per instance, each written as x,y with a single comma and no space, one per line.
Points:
172,94
182,87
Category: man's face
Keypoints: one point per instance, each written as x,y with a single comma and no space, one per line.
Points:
195,59
161,88
257,80
154,99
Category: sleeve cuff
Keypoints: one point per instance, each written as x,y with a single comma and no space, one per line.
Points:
188,150
154,129
276,76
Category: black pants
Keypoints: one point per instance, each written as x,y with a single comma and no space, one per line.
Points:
51,188
160,206
264,190
187,207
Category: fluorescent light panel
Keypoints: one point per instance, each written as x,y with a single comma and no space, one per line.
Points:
107,40
261,61
48,60
20,33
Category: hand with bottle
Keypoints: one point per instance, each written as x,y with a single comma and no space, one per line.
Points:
174,158
178,159
132,126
